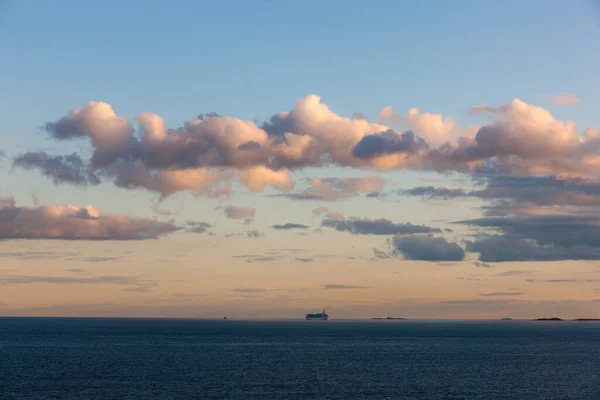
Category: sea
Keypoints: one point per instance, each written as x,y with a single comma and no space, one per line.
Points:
115,358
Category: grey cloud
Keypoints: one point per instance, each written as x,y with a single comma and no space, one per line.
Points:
62,169
96,259
77,270
359,116
380,254
481,264
197,227
498,294
428,248
501,248
233,212
380,226
341,286
254,234
433,192
289,225
249,290
530,237
35,199
304,260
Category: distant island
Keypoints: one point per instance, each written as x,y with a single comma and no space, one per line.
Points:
549,319
388,317
506,319
587,319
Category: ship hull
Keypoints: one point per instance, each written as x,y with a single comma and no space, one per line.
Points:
317,318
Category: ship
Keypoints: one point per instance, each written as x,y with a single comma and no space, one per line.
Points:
323,316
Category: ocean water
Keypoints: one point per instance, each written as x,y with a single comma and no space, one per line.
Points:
64,358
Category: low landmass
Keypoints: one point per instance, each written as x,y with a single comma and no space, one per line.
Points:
388,317
587,319
549,319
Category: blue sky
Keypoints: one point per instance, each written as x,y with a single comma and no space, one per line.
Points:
250,60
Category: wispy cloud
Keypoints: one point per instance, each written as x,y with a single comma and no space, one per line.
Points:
565,99
515,272
341,286
499,294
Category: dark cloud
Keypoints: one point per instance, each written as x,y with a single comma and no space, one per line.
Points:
433,192
290,225
499,294
62,169
428,248
508,194
304,260
380,226
388,142
359,116
331,286
254,234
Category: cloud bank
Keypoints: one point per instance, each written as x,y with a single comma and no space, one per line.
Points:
209,151
69,222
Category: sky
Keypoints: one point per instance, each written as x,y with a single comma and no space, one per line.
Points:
272,158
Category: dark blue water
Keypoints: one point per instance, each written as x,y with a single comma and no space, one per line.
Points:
52,358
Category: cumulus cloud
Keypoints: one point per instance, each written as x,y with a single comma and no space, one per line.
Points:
435,128
565,99
211,150
290,225
428,248
73,223
332,189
